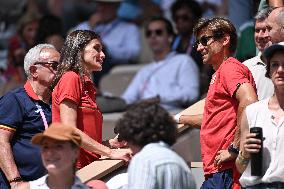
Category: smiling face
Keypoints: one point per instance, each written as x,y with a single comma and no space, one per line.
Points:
211,49
261,35
93,56
58,156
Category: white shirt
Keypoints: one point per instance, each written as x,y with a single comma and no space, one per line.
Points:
41,183
259,115
156,166
264,85
174,79
122,39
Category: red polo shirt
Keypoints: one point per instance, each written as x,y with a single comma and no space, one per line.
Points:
219,122
89,117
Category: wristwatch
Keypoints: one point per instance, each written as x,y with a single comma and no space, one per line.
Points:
233,149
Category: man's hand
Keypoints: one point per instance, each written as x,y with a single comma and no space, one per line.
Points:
223,156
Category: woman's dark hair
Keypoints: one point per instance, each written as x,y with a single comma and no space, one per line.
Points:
146,123
71,53
219,26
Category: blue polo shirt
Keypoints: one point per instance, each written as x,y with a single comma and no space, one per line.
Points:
19,114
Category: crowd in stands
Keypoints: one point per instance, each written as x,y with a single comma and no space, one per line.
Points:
54,54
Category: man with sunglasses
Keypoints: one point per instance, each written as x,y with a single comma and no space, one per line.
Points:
172,78
231,89
25,112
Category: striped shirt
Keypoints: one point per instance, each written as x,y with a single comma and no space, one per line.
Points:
156,166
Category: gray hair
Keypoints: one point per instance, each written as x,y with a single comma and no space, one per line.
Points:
263,14
33,56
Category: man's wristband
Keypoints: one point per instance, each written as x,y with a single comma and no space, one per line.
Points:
233,149
16,179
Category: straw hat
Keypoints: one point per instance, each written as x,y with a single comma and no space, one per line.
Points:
60,132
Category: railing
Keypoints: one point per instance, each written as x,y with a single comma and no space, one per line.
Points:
105,167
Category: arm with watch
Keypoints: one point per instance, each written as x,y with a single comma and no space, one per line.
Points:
7,162
245,95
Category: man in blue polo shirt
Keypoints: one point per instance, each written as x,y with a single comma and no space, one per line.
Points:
25,112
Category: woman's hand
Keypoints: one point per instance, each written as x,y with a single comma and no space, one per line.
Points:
114,143
123,154
251,145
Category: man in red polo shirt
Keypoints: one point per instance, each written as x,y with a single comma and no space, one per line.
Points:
231,89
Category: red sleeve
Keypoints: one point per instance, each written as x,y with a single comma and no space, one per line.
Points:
69,87
232,74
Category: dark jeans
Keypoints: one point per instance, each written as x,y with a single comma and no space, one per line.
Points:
274,185
219,180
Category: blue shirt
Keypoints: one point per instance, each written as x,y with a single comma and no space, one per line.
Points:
156,166
19,114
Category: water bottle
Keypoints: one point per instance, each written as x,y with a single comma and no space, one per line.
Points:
256,158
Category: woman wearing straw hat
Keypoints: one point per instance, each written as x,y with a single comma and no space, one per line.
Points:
59,151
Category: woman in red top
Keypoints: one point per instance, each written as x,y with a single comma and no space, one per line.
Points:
73,97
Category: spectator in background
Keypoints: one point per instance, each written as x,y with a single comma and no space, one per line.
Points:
275,24
172,78
149,131
185,14
121,39
50,31
59,146
257,64
231,89
25,112
74,95
267,114
19,44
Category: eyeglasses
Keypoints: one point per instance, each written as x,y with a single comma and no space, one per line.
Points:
157,32
204,40
50,64
182,18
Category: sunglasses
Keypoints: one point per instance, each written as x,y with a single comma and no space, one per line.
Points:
50,64
157,32
204,40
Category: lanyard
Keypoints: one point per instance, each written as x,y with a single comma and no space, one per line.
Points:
146,82
39,109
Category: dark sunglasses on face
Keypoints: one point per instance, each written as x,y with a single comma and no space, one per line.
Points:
51,64
204,40
157,32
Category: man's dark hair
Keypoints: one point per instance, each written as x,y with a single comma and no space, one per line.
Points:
168,24
218,26
146,123
192,5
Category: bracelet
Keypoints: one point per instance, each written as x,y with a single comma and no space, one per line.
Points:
243,160
176,117
16,179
